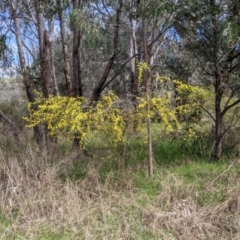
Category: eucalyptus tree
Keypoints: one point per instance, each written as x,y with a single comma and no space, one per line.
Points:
4,61
78,22
95,27
14,8
211,33
62,5
44,13
133,48
155,18
98,88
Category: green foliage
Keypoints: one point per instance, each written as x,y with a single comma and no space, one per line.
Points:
155,10
90,30
52,7
67,117
78,20
231,32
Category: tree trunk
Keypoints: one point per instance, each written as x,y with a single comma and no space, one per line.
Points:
45,53
148,91
37,130
77,80
133,52
51,61
218,85
218,138
218,118
46,67
77,38
99,86
67,71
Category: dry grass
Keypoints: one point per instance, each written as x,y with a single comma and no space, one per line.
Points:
177,211
35,203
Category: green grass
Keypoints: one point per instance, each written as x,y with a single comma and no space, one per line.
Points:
150,186
175,156
201,176
104,193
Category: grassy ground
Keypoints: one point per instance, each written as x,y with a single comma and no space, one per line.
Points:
49,193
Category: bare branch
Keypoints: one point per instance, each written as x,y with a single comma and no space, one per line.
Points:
12,126
209,114
226,108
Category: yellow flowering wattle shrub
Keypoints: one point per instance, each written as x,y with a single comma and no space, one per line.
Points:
68,117
160,106
189,101
107,119
141,66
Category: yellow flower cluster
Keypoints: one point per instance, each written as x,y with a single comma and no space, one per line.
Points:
141,66
189,99
66,117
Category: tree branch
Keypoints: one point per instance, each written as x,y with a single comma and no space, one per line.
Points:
12,126
99,86
226,108
210,115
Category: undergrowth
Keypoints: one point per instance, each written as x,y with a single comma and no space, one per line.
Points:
55,193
